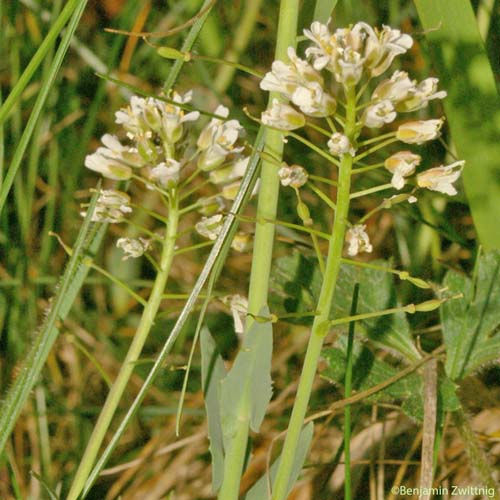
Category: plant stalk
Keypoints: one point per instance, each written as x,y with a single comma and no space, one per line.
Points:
321,322
263,248
135,349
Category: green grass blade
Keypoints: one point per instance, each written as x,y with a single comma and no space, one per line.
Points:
472,106
39,56
40,102
87,243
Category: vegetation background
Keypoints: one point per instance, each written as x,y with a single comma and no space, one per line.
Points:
43,186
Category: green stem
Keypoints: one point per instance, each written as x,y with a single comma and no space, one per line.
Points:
347,395
120,384
263,247
476,454
321,323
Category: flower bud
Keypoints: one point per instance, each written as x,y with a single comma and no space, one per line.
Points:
304,214
294,176
133,247
339,145
418,132
210,227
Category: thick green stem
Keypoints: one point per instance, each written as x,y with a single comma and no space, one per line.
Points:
135,349
263,248
321,322
476,454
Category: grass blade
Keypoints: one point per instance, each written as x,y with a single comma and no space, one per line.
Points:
39,56
40,101
87,243
471,106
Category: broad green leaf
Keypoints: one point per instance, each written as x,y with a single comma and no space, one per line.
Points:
470,323
259,491
212,373
296,282
472,106
369,371
247,389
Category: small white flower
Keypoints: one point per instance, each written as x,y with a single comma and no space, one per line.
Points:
210,227
391,43
111,206
325,51
285,78
294,176
312,100
396,89
339,145
358,240
420,96
282,116
377,115
301,83
349,67
107,167
133,247
132,118
166,174
172,117
217,139
441,178
401,165
418,132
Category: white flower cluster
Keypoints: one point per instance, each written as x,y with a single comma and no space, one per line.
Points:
155,153
334,64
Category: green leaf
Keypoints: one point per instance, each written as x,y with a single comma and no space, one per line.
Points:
295,284
470,323
259,490
472,106
212,373
247,389
368,371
